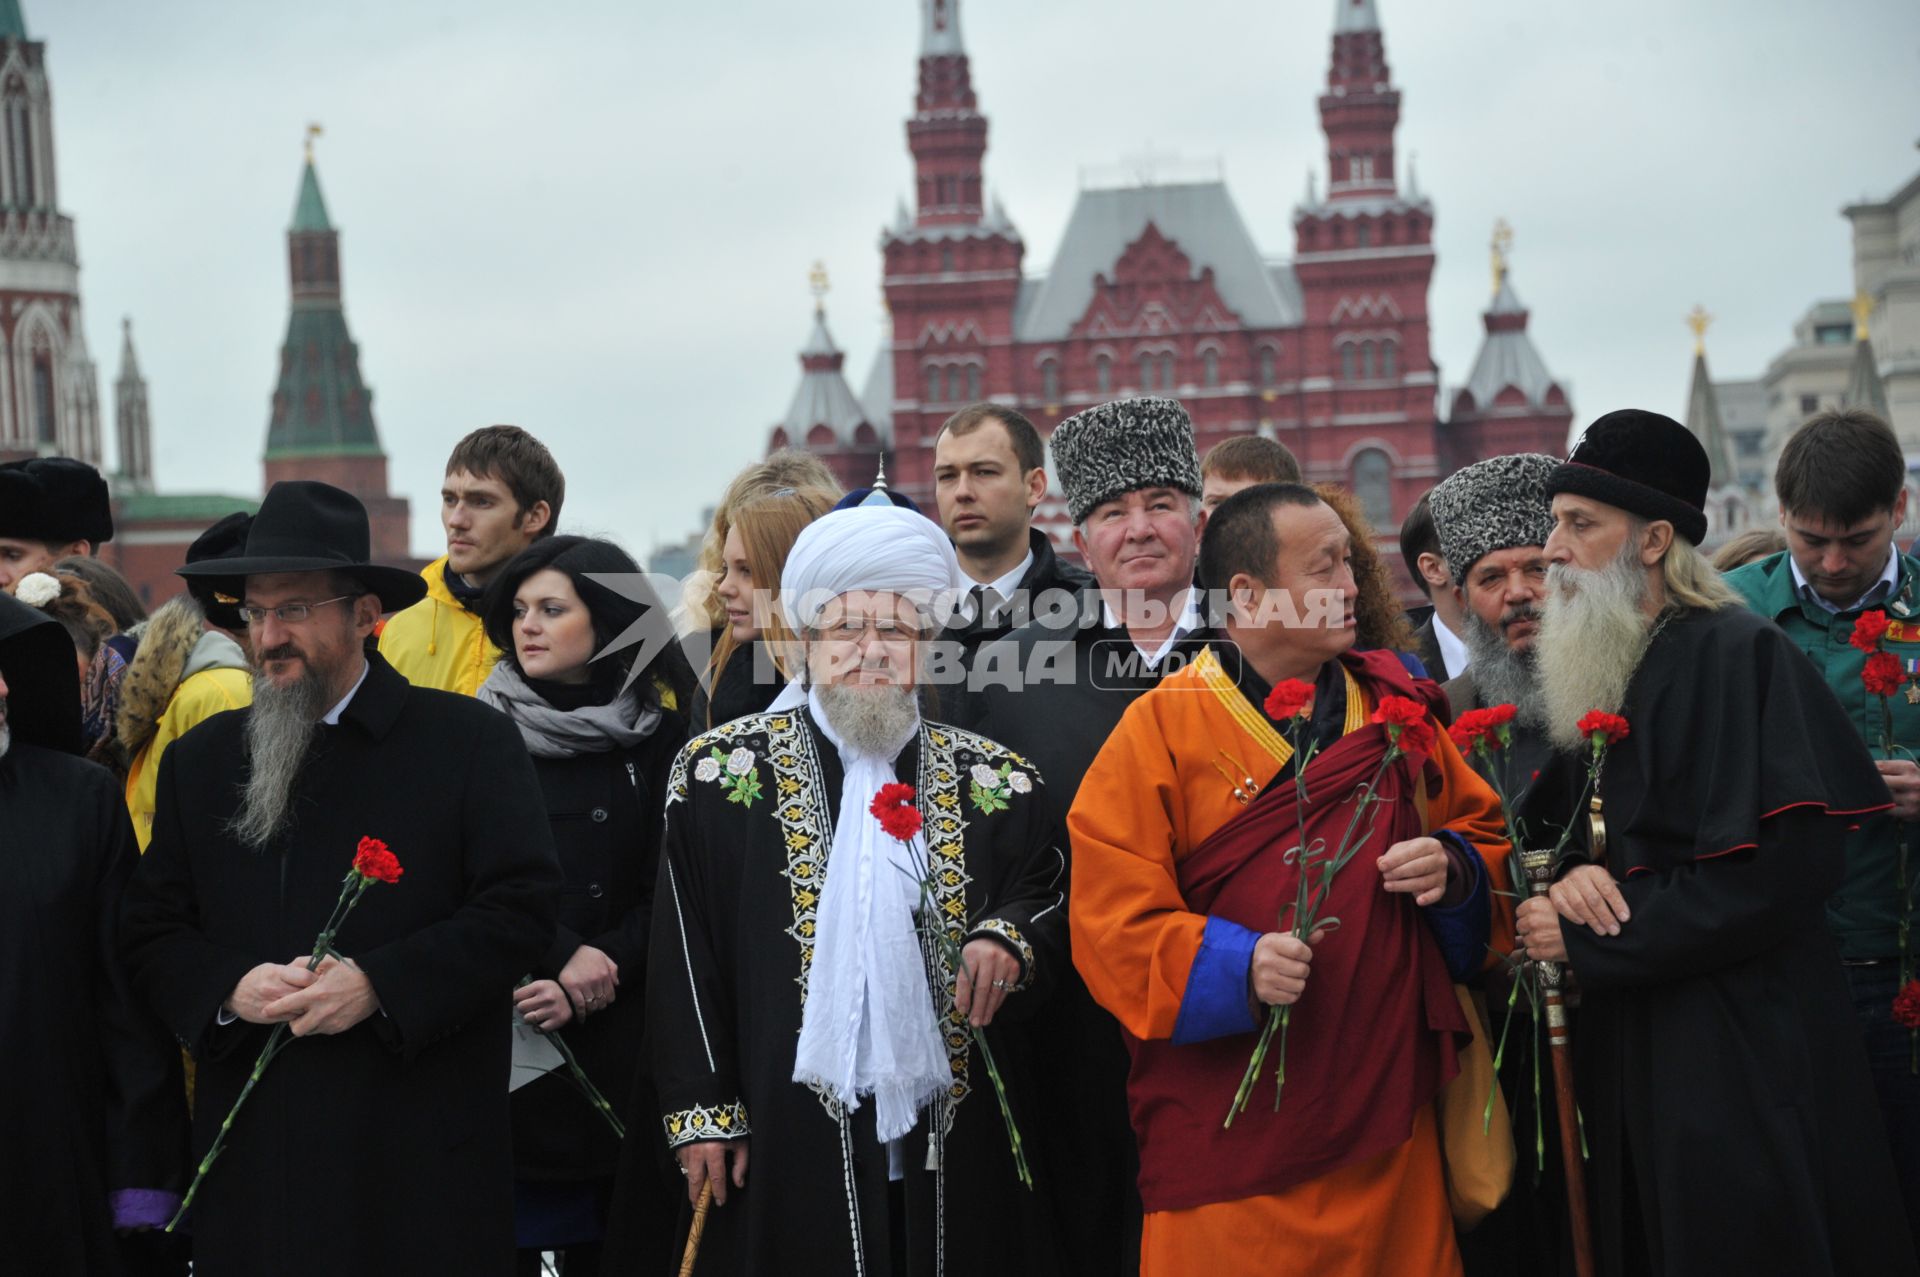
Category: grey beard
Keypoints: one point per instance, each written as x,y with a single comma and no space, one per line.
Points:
6,734
280,731
877,720
1501,675
1593,634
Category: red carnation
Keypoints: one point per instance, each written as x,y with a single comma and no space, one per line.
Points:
1906,1006
1290,698
1610,728
1407,724
1869,629
1482,727
893,807
373,861
1883,674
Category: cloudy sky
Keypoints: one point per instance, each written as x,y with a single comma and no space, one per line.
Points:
595,218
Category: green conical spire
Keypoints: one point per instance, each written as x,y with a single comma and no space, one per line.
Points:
13,23
310,212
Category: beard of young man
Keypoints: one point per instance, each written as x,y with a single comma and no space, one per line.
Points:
1501,675
1592,636
280,729
876,719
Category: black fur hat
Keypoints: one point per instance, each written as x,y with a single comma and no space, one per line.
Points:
1645,464
56,500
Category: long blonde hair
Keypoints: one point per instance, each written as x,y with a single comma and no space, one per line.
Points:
1692,582
768,527
787,468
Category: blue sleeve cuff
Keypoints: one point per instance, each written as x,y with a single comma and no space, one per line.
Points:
1216,1002
1463,929
142,1207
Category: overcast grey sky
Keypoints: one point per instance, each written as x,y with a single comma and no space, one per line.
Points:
595,218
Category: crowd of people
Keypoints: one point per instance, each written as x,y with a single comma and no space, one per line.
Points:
897,896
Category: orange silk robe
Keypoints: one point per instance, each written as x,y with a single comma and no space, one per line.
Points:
1164,782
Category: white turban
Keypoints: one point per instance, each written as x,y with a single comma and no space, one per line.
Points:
869,548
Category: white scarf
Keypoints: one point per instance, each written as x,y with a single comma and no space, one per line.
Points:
868,1027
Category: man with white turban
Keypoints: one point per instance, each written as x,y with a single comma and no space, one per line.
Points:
803,995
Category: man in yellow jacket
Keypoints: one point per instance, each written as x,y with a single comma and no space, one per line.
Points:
502,493
191,665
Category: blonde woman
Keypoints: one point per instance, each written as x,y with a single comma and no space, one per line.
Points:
754,653
699,607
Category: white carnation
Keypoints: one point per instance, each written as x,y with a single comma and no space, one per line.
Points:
707,769
1021,782
739,761
985,777
37,589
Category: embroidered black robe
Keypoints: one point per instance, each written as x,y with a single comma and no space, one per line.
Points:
751,807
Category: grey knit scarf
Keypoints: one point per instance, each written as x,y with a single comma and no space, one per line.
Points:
555,733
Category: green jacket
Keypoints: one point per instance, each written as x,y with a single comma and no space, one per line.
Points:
1865,911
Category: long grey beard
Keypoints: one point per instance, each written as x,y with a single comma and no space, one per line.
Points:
1593,633
1501,675
280,731
6,732
873,720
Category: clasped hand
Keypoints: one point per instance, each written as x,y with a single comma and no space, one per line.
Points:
1586,894
330,999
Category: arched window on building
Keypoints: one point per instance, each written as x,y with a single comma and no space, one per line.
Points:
1266,366
1366,361
1389,358
1363,235
1050,381
1346,361
973,383
933,383
1373,485
1166,372
1210,367
1146,372
43,419
20,142
1103,375
946,259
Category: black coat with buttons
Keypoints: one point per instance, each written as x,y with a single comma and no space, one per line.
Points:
605,810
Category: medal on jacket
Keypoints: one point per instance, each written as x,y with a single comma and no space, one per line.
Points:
1912,664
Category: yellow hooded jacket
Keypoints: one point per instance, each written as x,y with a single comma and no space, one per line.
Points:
438,643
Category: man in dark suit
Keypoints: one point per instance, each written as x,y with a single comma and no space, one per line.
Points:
378,1142
1440,626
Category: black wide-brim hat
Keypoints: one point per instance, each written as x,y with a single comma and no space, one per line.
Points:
305,526
43,683
1644,463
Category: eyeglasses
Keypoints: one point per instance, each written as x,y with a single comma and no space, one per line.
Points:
853,629
289,613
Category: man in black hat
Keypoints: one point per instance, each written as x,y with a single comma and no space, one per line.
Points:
1725,1091
93,1127
378,1142
50,507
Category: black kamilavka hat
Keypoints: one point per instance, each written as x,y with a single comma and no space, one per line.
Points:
43,683
1645,464
304,526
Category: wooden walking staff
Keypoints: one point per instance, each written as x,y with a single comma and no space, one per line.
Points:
699,1226
1538,866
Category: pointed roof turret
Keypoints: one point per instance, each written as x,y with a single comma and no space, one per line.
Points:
13,24
1864,387
940,29
1507,357
309,210
823,397
129,363
1703,408
1355,15
132,426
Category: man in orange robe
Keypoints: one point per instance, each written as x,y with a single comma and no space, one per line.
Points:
1185,874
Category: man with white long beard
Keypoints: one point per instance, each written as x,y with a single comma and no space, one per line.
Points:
800,1002
379,1139
1725,1091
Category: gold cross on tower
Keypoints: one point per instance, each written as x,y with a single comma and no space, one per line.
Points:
313,131
817,285
1862,308
1502,245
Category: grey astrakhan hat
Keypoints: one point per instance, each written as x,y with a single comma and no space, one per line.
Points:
1119,447
1491,505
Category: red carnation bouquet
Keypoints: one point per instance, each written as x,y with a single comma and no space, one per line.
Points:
900,818
1409,731
1883,676
372,862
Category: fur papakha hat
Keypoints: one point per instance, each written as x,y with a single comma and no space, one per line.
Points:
1491,505
1120,447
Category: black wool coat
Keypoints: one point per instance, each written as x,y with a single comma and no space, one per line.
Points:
384,1149
95,1102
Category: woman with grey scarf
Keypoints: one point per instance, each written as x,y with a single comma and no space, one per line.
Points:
602,735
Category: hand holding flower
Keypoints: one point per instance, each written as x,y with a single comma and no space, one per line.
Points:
987,974
1537,927
1281,963
340,997
544,1005
266,983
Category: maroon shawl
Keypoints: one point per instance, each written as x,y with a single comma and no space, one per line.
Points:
1373,1038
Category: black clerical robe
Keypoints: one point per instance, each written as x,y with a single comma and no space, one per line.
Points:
1724,1086
386,1148
94,1104
751,808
